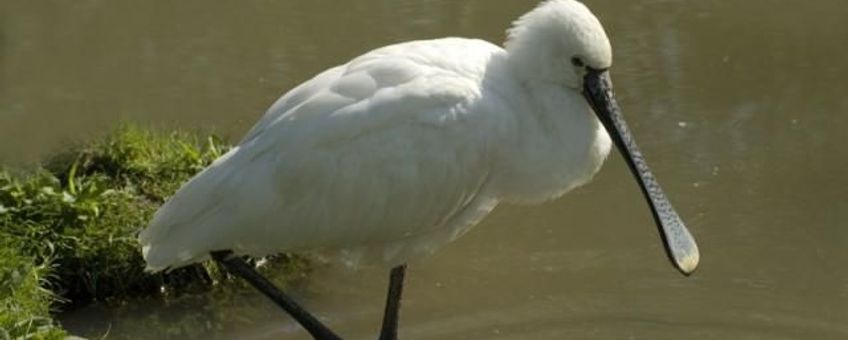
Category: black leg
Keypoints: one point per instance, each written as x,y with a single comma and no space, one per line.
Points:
390,315
237,266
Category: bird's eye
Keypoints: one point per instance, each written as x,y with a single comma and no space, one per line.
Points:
576,61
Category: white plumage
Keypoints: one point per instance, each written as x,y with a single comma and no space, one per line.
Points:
402,149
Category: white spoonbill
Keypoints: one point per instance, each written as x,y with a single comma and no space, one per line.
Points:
405,148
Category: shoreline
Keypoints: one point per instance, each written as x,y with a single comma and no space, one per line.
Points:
68,228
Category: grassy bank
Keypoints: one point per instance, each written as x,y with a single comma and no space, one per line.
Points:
68,229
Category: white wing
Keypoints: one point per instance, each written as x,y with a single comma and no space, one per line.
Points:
383,150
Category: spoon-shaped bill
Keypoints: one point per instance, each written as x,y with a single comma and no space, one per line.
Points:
679,244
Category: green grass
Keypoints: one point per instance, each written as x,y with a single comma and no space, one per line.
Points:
69,228
24,302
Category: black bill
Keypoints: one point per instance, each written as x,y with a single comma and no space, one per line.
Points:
679,244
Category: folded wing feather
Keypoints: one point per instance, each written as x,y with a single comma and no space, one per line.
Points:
374,152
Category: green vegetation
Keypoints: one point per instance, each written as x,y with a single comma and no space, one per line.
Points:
68,230
24,303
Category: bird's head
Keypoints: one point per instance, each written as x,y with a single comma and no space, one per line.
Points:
562,43
557,42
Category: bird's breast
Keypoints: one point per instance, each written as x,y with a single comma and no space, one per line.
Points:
556,145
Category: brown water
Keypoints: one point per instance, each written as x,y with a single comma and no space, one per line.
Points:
740,106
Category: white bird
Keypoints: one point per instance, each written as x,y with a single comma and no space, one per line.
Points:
405,148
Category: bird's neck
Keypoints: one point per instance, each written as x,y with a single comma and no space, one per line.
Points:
558,144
